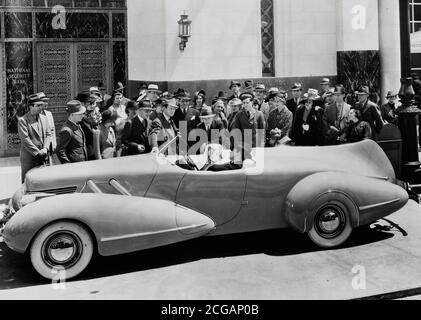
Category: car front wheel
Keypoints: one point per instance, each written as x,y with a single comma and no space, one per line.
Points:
332,224
61,251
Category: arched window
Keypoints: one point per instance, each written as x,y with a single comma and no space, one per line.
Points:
268,52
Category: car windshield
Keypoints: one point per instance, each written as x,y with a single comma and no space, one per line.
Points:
176,152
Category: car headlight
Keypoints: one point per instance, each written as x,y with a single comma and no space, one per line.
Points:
21,199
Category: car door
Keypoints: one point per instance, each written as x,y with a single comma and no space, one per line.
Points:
217,194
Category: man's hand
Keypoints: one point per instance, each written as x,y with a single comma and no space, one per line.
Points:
141,148
155,150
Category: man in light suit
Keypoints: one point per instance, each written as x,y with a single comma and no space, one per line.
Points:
52,149
35,134
336,116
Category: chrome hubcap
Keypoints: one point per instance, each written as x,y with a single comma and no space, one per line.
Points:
330,222
62,248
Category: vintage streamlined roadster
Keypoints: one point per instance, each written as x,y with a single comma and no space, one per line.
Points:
66,213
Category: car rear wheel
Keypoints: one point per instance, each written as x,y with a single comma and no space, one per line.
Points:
332,224
61,250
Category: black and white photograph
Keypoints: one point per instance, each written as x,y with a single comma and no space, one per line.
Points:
210,150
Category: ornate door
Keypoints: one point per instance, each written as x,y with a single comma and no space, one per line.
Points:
91,65
64,69
55,76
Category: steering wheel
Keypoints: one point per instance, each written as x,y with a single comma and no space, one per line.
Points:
191,163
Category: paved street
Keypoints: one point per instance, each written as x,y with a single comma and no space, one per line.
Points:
265,265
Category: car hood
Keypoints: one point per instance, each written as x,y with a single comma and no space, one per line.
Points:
135,173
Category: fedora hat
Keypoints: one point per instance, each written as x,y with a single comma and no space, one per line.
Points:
234,83
206,113
221,96
119,87
330,92
145,105
43,97
154,88
281,94
35,98
246,95
131,105
339,89
325,81
260,87
235,102
297,86
94,90
248,85
363,90
390,95
75,107
171,103
184,95
109,116
312,94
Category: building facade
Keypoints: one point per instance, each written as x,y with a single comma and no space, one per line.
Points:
60,47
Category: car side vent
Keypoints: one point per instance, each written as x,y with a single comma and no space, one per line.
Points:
58,191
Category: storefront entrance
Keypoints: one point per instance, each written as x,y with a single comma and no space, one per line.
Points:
64,69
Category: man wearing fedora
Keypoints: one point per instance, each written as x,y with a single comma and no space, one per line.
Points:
71,146
50,119
235,105
235,87
35,135
185,114
153,93
388,109
163,128
136,131
369,112
307,128
248,124
104,138
336,116
208,131
295,101
280,119
324,89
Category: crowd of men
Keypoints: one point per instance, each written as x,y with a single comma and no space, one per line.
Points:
102,126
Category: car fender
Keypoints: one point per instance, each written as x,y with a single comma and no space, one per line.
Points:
368,198
120,224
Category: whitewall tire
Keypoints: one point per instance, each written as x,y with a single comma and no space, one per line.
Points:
61,250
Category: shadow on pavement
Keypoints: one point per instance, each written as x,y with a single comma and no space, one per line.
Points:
16,270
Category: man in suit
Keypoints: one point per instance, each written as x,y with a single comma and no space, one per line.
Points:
324,89
50,119
295,101
71,146
388,110
235,87
185,114
208,131
336,116
136,131
163,128
35,135
307,129
249,124
369,112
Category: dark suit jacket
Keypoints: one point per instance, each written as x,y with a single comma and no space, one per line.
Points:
292,105
371,115
192,117
315,135
161,131
212,134
135,133
71,146
256,125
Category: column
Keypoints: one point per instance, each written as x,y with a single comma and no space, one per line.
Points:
390,55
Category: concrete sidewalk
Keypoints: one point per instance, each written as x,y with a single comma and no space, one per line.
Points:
9,176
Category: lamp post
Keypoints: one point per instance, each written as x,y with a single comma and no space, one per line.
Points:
184,30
